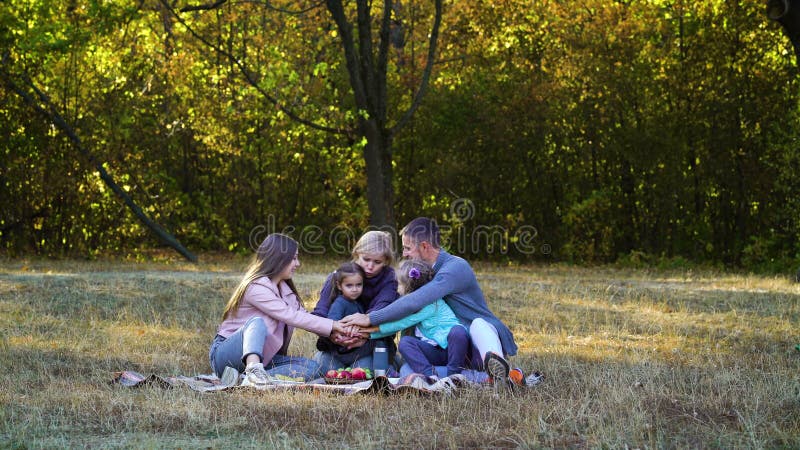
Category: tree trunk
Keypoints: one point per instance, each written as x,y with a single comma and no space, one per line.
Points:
366,60
378,161
787,13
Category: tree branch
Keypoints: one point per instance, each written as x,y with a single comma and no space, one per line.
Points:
251,81
265,3
351,57
364,21
297,12
205,7
423,86
383,58
787,13
50,113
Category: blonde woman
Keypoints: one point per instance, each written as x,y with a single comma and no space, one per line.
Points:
262,313
374,253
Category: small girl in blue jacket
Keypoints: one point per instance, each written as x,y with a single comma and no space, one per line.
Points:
348,284
438,336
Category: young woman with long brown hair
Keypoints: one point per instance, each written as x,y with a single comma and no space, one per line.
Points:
260,316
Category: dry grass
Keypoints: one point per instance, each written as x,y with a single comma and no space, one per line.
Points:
632,358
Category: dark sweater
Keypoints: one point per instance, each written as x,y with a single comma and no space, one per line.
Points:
343,307
379,291
340,308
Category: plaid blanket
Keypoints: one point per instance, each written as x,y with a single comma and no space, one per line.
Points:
414,382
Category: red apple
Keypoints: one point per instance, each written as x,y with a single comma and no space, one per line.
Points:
331,374
358,374
344,374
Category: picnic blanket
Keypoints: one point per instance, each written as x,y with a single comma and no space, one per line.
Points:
414,382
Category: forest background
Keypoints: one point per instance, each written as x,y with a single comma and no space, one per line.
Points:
589,131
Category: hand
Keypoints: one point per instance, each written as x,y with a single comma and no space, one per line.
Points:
358,319
339,328
357,332
370,329
345,340
357,342
339,338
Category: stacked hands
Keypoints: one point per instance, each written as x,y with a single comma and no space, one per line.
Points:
352,331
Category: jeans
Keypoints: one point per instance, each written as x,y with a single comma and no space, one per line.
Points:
249,340
484,339
422,356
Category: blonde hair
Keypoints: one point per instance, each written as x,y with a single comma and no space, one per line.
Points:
375,243
272,256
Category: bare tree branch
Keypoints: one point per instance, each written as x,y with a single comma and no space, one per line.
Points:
351,57
364,21
206,7
426,74
297,12
251,81
266,4
48,110
383,57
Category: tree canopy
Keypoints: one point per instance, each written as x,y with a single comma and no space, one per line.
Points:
583,131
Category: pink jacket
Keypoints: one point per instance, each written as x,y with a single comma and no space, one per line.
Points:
281,311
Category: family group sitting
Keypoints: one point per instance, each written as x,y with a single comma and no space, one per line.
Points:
433,298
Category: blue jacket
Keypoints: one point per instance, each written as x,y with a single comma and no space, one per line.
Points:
378,292
342,307
455,282
434,322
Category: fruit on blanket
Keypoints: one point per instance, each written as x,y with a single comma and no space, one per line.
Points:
346,373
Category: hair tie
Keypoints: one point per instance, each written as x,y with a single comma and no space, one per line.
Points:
414,273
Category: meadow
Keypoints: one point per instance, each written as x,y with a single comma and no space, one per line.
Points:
632,359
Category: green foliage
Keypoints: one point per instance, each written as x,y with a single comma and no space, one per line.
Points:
769,255
590,229
613,128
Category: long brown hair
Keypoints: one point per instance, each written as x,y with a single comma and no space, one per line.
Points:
272,256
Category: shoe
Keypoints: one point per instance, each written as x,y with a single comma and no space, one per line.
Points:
517,376
255,375
230,376
497,368
534,378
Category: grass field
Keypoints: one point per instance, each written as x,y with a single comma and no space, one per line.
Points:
637,359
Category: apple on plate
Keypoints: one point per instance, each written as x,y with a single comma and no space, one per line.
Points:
331,374
358,374
344,374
